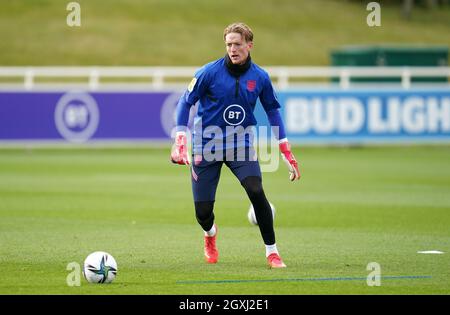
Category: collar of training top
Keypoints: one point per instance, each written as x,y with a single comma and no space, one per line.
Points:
237,70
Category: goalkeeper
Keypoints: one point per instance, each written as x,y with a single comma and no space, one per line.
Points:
227,90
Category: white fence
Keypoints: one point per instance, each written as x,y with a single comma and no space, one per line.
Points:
161,78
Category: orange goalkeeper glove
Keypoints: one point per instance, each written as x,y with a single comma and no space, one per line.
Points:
289,159
180,153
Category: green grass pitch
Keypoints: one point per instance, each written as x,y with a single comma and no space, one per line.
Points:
353,206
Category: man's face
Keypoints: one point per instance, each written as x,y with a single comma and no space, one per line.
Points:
237,48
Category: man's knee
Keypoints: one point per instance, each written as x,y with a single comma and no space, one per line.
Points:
204,210
253,185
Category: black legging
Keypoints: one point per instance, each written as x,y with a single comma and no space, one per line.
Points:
253,186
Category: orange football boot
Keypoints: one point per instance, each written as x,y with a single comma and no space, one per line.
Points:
275,261
211,253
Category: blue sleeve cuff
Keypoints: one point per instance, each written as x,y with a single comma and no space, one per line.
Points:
275,120
182,114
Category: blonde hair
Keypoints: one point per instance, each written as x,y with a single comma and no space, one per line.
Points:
240,28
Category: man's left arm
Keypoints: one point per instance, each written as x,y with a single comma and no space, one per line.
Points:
271,106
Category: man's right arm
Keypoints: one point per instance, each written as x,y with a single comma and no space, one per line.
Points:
196,88
180,152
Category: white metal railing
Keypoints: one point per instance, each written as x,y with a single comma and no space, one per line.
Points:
161,77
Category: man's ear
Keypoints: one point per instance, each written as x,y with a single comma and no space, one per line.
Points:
250,45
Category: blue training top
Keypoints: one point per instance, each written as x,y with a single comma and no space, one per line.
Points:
226,104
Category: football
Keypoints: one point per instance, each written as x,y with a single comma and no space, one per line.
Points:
100,267
252,217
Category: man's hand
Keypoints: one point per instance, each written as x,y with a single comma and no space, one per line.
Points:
180,154
290,161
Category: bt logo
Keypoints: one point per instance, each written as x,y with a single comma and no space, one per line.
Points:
234,115
76,116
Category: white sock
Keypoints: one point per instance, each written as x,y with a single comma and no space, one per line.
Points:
211,232
270,249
